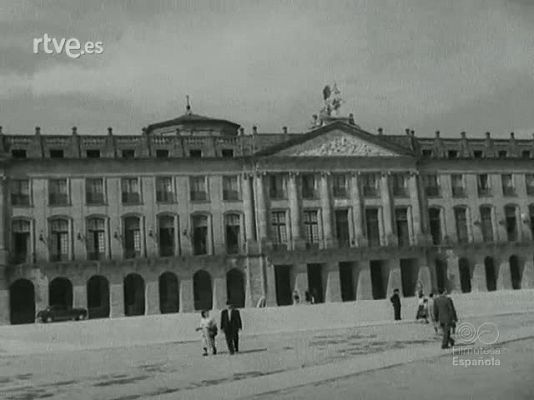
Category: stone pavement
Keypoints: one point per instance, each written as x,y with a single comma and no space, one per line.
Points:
267,363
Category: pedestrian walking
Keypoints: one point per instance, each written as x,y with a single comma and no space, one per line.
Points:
422,308
431,312
296,297
395,300
208,331
231,325
445,313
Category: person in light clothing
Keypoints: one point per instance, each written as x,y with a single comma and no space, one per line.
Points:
208,331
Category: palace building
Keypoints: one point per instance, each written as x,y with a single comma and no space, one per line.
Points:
195,211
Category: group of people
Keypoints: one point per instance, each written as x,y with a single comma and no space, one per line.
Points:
309,297
230,324
440,311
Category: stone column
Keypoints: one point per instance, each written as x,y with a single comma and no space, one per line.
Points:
333,285
270,284
326,207
416,209
478,277
4,299
116,294
394,277
504,277
261,209
248,209
187,300
387,209
453,273
364,288
424,276
219,292
357,209
527,279
300,279
79,294
152,298
294,211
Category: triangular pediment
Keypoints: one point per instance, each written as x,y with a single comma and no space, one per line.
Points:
338,143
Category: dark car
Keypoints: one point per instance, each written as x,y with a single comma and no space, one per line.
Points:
61,313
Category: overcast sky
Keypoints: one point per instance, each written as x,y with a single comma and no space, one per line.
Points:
425,64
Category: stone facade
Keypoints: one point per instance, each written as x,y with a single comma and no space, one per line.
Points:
194,212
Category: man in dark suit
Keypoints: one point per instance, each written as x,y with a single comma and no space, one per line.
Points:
395,300
231,325
445,315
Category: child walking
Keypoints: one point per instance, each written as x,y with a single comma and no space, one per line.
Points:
208,331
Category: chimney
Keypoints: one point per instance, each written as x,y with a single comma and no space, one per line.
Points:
254,130
437,134
463,134
37,130
74,130
242,131
380,131
488,135
110,131
407,131
284,129
351,118
144,131
512,135
412,133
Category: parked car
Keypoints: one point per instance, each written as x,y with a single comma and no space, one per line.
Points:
61,313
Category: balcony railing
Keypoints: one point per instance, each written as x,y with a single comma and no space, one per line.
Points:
199,196
58,199
130,198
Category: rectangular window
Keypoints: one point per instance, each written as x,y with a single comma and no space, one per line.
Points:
452,154
502,154
94,191
457,184
340,186
233,233
529,182
227,153
128,154
399,183
56,153
162,153
164,189
277,186
370,184
96,239
58,192
511,223
483,185
372,227
20,192
508,188
200,234
401,221
486,224
525,154
59,240
342,227
478,154
434,215
132,237
166,236
18,153
460,215
21,241
309,186
431,185
195,153
93,153
278,227
131,193
231,188
311,228
198,188
427,153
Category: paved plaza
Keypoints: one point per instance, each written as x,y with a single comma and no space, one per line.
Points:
392,360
